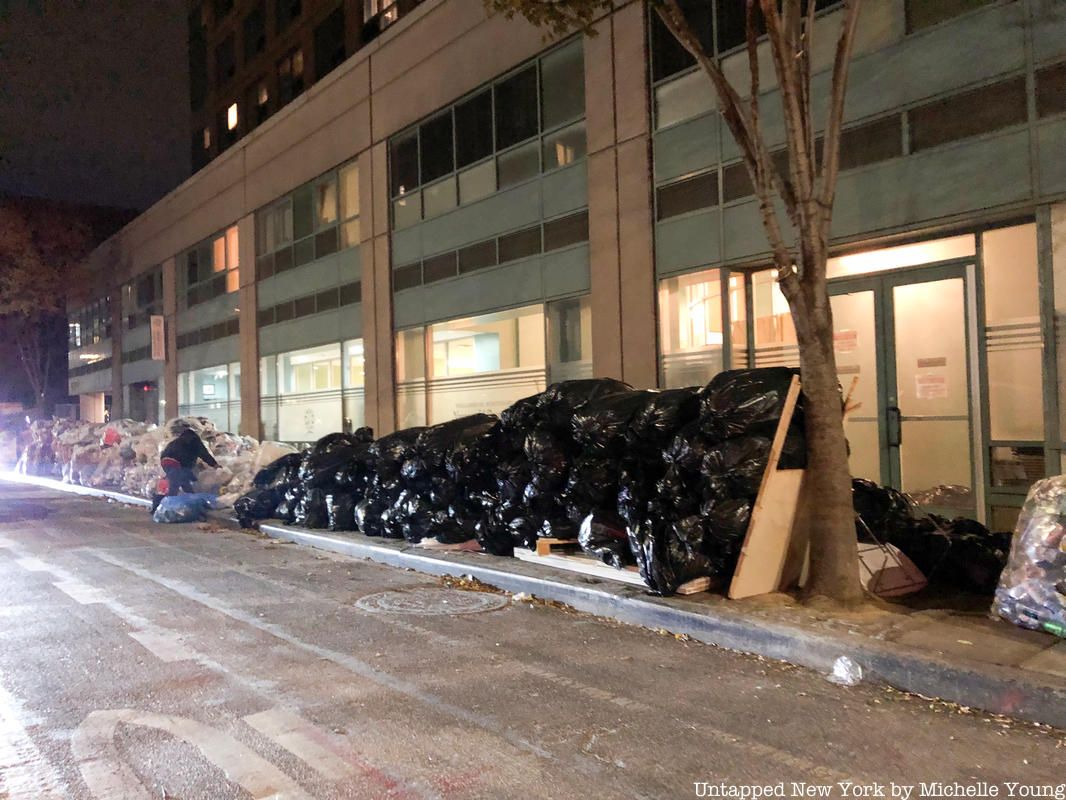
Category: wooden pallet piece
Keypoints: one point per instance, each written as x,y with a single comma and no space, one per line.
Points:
549,546
767,554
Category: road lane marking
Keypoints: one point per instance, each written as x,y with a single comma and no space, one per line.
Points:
301,739
164,644
344,660
110,778
32,564
25,774
80,592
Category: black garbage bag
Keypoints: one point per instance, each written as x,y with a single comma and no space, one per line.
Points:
606,540
311,511
284,470
739,464
600,425
669,553
368,517
494,535
746,401
725,521
522,414
560,401
364,435
389,452
341,512
324,459
255,505
663,415
286,509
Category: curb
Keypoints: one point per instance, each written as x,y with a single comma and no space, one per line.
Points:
1036,697
1032,696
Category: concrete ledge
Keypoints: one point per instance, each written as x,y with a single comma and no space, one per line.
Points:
1022,693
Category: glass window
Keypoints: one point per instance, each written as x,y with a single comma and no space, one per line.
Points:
562,75
309,381
350,233
518,165
354,381
505,341
477,256
285,11
564,146
687,195
225,61
349,192
691,329
439,267
907,255
477,182
520,244
569,339
683,98
255,31
435,147
1012,333
1051,90
516,108
982,110
1058,264
218,261
302,212
290,76
668,57
871,142
325,194
329,42
566,231
403,163
411,377
439,198
473,129
775,335
923,13
407,210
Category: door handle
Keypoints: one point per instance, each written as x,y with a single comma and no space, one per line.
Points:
895,426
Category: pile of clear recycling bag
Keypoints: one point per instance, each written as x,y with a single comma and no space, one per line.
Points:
124,455
1032,589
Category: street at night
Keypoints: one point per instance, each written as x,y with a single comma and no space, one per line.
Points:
191,661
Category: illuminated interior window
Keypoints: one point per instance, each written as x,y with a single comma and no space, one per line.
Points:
207,138
231,117
907,255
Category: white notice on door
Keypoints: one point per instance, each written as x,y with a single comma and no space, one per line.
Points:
846,341
931,387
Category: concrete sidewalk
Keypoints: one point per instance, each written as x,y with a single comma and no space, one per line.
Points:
967,659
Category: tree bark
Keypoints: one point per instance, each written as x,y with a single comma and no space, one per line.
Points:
834,560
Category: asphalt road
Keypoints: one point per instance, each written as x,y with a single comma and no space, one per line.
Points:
183,662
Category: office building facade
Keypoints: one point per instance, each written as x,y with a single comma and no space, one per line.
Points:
460,212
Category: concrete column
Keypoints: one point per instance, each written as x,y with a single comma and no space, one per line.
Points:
170,327
248,318
118,405
621,229
378,338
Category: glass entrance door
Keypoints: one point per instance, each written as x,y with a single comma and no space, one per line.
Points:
903,354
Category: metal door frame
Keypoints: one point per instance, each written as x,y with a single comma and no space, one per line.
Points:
881,285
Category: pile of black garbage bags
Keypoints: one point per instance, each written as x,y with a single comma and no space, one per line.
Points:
661,480
955,553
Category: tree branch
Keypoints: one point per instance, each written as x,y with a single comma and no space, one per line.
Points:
835,121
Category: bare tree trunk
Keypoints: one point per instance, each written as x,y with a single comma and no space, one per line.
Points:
834,562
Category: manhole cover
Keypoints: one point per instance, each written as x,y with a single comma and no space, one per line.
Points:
17,511
431,602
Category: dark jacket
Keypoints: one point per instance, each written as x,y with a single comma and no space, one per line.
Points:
186,449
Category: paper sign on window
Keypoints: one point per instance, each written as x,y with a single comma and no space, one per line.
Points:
159,344
846,341
931,387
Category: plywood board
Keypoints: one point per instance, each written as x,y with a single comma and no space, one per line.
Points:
767,543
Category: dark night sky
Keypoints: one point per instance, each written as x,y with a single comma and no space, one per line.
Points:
94,102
